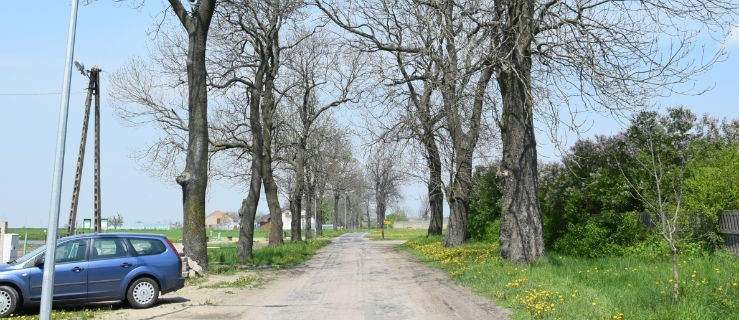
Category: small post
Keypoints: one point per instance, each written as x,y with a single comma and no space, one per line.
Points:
25,242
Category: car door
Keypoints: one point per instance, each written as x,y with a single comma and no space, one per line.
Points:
110,262
70,275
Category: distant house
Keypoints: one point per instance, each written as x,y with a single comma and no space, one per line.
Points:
287,220
263,222
220,220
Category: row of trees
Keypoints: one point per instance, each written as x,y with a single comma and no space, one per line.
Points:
436,66
276,77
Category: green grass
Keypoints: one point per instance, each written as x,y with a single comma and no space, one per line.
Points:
560,287
331,233
398,234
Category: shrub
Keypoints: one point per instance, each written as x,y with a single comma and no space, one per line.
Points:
601,236
485,205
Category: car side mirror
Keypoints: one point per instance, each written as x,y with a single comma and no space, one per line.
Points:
39,261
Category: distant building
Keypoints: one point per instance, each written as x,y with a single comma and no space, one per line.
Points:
287,220
221,221
265,222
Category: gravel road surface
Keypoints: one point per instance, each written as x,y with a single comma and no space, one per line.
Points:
352,278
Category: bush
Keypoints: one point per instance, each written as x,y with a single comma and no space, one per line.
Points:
485,206
605,235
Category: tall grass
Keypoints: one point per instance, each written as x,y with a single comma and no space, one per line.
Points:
225,257
561,287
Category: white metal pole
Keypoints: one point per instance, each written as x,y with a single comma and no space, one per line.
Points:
47,286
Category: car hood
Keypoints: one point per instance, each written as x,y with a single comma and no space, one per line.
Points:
5,267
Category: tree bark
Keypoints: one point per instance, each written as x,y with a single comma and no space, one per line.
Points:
521,237
459,200
319,216
248,210
270,185
380,210
435,193
309,198
194,179
270,190
296,199
336,210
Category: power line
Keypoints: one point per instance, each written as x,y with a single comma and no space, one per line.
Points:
29,93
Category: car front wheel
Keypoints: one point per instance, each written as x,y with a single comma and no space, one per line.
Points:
142,293
8,301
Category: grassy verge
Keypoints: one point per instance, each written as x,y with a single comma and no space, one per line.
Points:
224,259
558,287
398,234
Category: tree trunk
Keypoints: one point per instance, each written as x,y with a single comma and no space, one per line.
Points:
275,212
436,195
309,196
296,199
349,214
459,200
319,216
675,273
521,237
336,210
248,210
380,210
268,178
194,179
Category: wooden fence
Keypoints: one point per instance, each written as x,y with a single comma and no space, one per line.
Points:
728,227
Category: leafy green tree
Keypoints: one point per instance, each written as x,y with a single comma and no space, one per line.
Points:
485,205
713,186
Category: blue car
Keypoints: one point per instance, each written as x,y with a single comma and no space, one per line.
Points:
96,267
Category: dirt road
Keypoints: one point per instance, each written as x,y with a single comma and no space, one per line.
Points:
352,278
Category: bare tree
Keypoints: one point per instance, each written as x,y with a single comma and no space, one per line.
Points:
252,57
116,221
186,134
385,176
329,149
455,63
325,78
583,55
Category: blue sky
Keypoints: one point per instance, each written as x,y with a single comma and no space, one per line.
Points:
34,33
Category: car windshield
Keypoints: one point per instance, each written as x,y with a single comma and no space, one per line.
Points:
28,256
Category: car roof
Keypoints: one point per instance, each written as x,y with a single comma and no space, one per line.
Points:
113,235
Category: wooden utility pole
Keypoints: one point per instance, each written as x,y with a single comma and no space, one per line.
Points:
93,89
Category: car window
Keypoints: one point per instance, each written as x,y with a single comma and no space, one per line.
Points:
72,251
147,246
108,248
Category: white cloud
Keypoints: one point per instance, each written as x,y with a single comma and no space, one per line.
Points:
732,40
